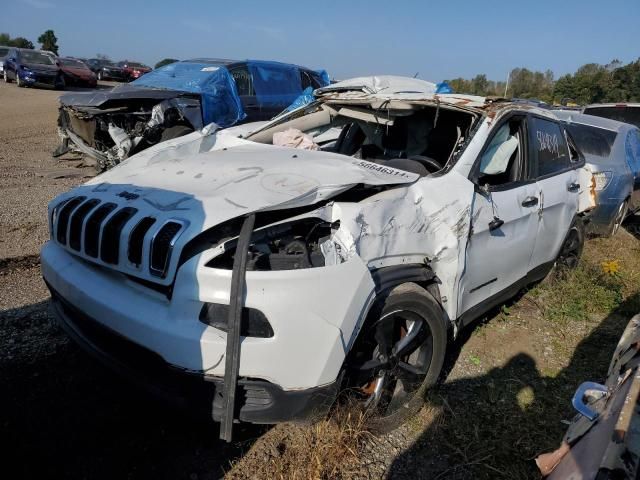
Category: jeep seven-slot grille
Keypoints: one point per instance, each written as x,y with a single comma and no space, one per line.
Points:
161,246
63,218
95,228
136,240
77,220
110,244
92,230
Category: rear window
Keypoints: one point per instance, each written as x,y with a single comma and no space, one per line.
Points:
624,113
549,147
68,62
592,140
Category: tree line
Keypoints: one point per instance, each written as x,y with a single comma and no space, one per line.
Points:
591,83
47,40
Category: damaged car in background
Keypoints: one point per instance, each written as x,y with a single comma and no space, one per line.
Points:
174,100
336,247
603,439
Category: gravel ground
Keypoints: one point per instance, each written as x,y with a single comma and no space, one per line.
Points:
29,177
64,415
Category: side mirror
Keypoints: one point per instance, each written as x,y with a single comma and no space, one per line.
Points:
482,189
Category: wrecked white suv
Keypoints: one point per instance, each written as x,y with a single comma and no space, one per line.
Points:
411,214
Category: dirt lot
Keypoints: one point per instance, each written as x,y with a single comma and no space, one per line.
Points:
505,396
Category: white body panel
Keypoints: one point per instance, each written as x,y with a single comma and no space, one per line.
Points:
207,180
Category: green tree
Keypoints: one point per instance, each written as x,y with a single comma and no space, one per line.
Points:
5,38
165,61
48,40
21,42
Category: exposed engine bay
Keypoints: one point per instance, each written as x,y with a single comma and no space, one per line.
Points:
118,128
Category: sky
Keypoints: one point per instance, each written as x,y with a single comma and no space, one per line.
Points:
436,40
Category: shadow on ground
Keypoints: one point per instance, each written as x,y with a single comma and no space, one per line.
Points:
63,415
494,425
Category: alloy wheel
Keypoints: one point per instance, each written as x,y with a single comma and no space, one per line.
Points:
401,346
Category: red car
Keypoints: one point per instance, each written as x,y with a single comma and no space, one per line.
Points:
133,70
75,72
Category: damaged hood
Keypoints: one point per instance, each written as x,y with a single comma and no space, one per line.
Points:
225,183
199,191
98,98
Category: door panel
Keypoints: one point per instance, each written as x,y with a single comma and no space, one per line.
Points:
558,206
497,258
558,185
504,216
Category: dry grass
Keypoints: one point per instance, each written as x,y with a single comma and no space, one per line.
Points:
492,416
328,449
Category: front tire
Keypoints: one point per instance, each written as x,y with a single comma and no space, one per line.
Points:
19,82
100,76
398,355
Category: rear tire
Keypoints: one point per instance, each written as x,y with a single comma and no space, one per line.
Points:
621,213
398,355
6,77
571,250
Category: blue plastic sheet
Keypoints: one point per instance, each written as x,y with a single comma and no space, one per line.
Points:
275,83
444,87
305,98
220,101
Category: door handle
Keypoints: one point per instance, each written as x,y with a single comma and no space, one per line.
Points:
495,223
573,187
530,202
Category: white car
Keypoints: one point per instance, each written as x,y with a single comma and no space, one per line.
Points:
364,251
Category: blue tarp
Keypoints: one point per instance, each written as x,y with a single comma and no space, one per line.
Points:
444,87
305,98
220,101
275,83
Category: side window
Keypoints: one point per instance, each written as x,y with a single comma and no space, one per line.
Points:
632,149
548,147
243,79
502,161
308,80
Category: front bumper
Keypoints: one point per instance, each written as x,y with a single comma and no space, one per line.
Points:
39,79
313,314
259,401
602,217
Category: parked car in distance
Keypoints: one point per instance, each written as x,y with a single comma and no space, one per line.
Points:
622,112
32,68
175,100
106,69
76,72
602,442
346,264
612,152
133,70
3,53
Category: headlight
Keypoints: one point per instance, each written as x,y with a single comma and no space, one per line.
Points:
26,71
305,243
603,179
